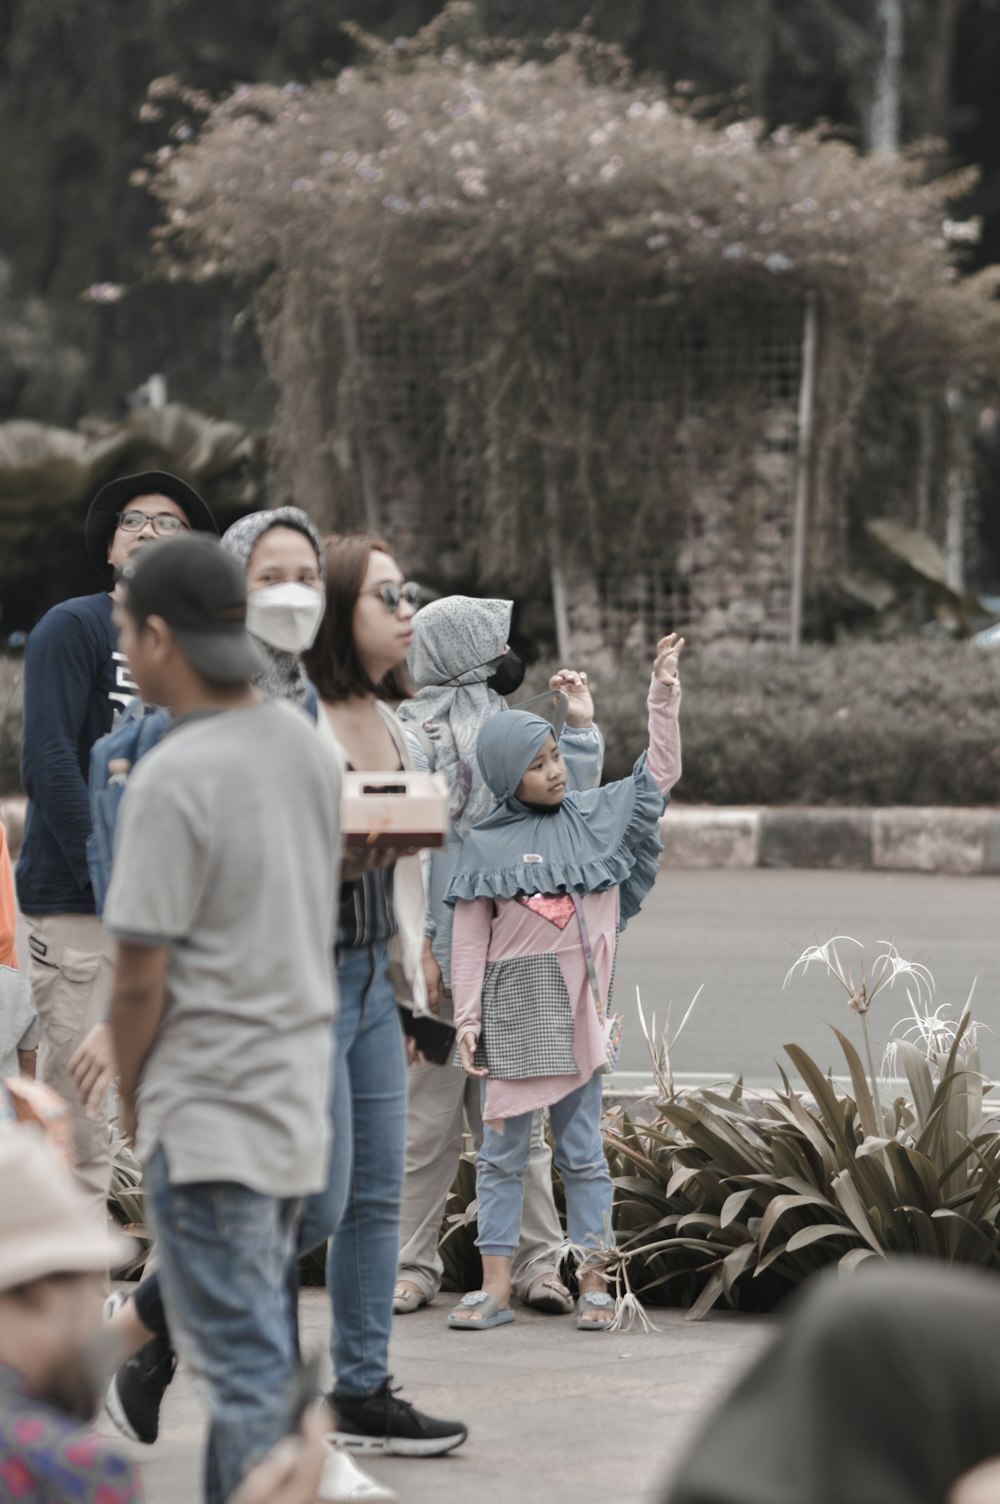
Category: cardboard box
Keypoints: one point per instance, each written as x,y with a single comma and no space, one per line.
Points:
394,809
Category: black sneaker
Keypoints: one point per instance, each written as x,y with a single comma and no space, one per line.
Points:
137,1389
382,1422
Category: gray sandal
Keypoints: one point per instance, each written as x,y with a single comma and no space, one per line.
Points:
493,1313
553,1297
405,1302
595,1300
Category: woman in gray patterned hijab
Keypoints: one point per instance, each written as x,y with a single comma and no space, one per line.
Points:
284,678
457,644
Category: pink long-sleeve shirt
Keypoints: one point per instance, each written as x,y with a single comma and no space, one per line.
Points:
488,930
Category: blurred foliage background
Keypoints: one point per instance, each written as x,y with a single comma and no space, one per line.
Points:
73,82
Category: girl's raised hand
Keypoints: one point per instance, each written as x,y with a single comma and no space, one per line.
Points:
668,652
576,688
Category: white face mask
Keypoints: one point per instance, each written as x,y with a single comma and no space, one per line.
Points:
286,617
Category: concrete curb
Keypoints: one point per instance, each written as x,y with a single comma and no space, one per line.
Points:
895,839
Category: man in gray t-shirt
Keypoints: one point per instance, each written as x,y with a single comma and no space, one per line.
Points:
222,901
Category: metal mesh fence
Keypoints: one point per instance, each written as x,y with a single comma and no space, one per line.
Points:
675,432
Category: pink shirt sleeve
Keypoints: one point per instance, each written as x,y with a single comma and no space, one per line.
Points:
664,756
470,943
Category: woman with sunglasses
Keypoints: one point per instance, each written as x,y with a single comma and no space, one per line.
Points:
357,665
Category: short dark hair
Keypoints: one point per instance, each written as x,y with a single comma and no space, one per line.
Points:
333,663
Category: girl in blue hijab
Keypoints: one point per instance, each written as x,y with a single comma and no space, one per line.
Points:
544,885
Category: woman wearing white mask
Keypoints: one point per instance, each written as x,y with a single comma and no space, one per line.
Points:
286,577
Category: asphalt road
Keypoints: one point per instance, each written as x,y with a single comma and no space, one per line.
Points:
737,933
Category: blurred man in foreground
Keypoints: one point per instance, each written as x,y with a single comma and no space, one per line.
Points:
53,1356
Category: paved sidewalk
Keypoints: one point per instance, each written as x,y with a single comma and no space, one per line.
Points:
553,1414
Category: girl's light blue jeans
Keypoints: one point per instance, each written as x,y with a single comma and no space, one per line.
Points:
359,1208
579,1154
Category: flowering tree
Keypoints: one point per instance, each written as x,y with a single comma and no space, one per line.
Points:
516,204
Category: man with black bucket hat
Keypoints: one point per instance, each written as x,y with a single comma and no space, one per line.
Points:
223,899
75,679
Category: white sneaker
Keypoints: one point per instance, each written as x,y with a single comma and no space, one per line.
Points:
343,1481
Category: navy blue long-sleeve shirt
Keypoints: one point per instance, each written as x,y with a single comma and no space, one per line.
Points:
74,680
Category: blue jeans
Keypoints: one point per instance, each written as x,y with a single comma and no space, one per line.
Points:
224,1252
359,1209
579,1154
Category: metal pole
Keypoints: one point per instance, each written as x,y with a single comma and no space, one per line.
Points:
803,468
954,544
560,606
886,108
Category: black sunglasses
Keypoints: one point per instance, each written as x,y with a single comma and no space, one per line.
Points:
392,595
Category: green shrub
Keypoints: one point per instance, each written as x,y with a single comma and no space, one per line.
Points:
869,723
862,723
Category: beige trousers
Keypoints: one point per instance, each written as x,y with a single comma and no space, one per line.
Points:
71,968
440,1096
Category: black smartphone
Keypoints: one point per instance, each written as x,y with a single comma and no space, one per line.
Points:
433,1037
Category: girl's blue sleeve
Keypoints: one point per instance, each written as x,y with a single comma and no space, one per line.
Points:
582,748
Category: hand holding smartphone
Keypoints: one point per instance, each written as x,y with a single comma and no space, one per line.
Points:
433,1037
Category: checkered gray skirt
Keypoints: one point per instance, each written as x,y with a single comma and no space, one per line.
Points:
527,1020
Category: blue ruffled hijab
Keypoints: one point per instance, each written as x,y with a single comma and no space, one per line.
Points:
597,839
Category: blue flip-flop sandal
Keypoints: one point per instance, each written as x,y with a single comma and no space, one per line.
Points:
493,1314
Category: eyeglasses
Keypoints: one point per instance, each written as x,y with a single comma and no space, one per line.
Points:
392,595
164,524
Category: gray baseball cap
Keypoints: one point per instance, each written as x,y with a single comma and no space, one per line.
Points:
200,591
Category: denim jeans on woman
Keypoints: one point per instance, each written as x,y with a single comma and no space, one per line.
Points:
224,1252
359,1210
579,1155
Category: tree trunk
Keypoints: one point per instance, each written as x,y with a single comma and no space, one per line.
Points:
940,59
359,433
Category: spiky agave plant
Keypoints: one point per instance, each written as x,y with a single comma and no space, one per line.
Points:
750,1193
127,1203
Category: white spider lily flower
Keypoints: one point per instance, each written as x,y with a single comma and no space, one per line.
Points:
826,955
889,966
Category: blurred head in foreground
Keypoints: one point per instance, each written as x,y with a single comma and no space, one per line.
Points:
54,1260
